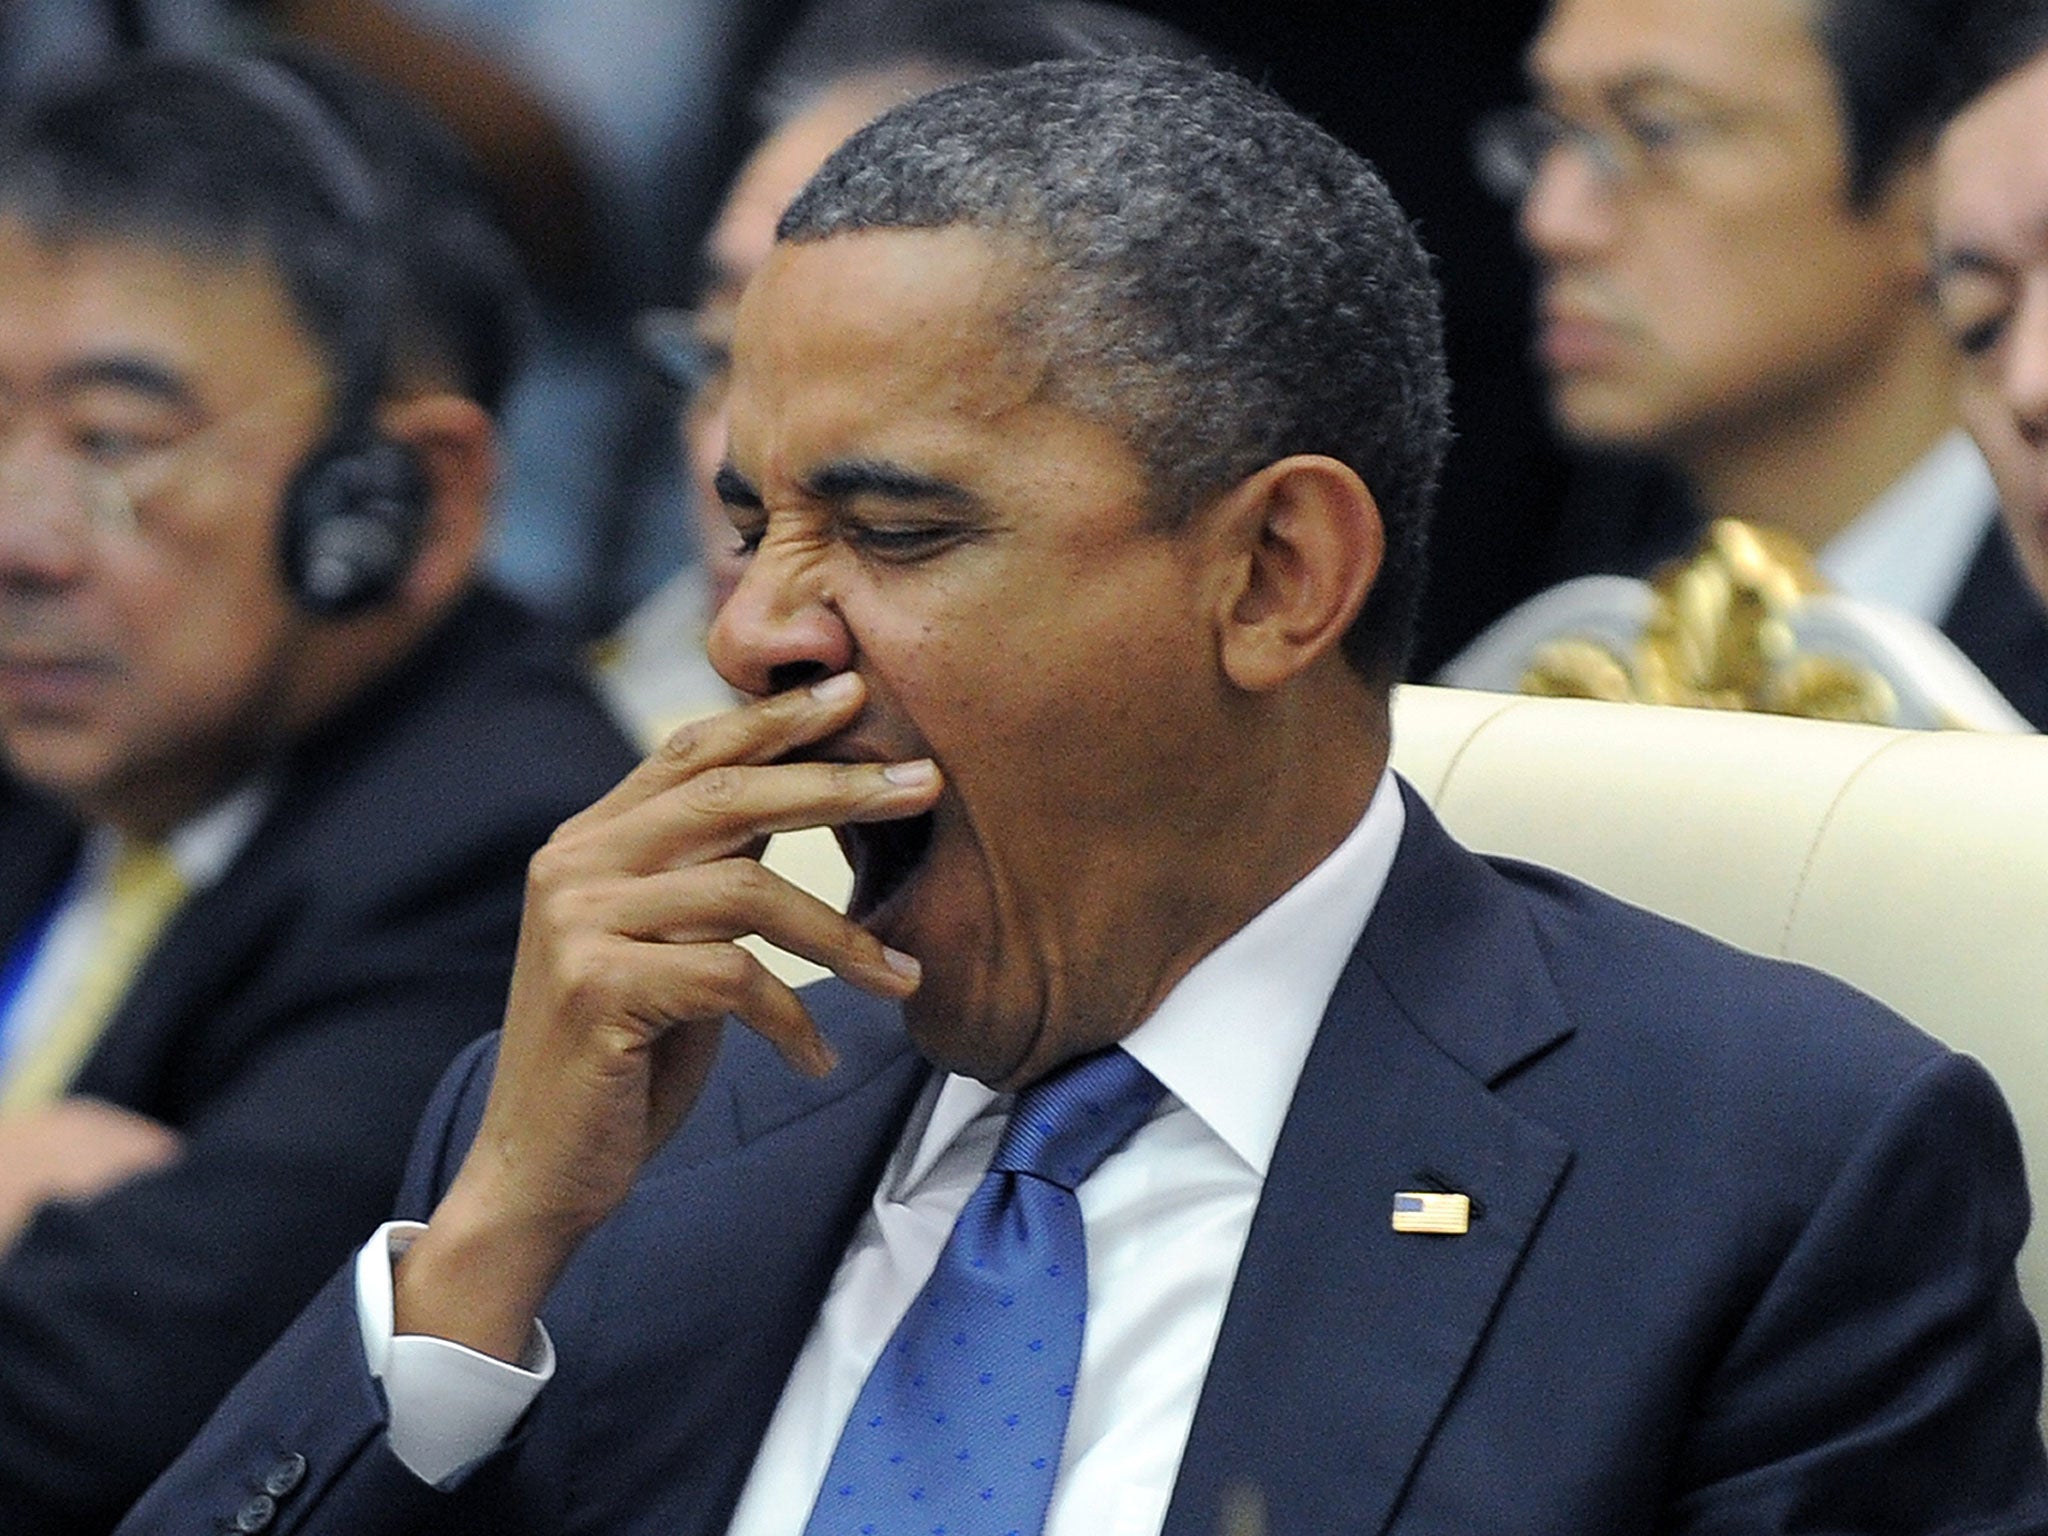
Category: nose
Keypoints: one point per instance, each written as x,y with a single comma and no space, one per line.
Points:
1568,211
780,628
45,518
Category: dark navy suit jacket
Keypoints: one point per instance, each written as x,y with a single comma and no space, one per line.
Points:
2001,624
1741,1261
290,1025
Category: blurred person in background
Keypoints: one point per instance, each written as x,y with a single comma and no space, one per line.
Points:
272,756
1725,201
1991,270
603,131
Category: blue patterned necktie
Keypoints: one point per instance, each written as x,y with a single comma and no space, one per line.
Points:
958,1429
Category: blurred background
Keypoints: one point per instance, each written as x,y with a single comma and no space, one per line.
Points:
610,127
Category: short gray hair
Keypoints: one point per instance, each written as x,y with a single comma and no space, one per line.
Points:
1223,282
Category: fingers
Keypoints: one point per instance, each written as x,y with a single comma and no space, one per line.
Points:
723,784
689,984
733,897
628,965
649,953
74,1148
726,810
755,733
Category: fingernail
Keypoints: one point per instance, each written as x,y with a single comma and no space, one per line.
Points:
822,1058
835,688
906,966
920,772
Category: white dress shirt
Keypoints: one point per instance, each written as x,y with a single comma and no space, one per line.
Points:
1165,1220
1911,548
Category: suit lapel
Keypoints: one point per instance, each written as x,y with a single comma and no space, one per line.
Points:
790,1163
1344,1341
1997,622
213,941
37,848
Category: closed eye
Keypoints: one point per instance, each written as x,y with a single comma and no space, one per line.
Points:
114,445
902,545
893,513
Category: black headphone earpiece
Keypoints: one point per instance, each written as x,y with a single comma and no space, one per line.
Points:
351,523
353,515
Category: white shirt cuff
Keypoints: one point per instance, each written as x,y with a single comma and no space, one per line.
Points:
450,1405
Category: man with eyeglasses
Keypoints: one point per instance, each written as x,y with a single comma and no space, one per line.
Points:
271,761
1725,202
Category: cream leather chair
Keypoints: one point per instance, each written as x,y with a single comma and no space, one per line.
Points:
1912,864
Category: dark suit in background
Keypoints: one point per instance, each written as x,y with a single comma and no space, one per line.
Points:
1998,622
289,1026
1741,1262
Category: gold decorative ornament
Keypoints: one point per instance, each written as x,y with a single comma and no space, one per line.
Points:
1720,636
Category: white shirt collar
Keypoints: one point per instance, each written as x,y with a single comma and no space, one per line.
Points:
1911,548
1230,1039
202,846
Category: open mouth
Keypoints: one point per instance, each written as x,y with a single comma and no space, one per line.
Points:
885,856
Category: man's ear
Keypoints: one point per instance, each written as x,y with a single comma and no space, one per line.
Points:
1306,542
455,442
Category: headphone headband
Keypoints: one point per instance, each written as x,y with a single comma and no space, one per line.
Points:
347,181
353,514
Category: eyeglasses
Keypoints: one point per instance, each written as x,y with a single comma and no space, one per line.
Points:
111,493
108,494
688,359
1511,145
102,492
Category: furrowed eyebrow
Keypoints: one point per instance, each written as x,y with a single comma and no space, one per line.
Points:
734,489
867,477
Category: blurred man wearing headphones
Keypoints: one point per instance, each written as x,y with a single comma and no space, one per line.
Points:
271,760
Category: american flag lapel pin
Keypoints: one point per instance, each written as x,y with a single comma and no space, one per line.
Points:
1428,1211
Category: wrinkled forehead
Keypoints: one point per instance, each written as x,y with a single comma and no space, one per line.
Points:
915,313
